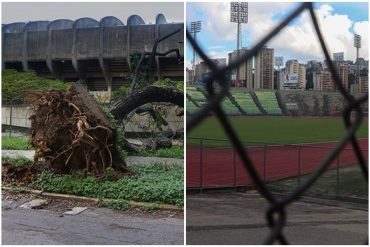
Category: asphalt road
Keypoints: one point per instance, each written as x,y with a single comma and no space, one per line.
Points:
239,218
94,226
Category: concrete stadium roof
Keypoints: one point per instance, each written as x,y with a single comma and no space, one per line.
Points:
84,22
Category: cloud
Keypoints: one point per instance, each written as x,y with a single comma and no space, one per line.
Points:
298,40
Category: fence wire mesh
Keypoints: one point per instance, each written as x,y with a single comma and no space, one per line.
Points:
276,214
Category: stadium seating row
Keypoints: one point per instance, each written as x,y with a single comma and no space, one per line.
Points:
266,99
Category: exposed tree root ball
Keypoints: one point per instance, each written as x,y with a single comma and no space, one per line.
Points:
71,132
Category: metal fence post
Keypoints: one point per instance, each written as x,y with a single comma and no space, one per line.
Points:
299,165
201,165
264,163
234,167
337,176
11,118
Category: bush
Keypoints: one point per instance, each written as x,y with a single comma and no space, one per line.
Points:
121,92
15,84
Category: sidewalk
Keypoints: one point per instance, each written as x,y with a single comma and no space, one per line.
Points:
130,159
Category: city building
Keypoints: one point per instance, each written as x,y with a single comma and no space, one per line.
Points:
363,83
302,76
245,76
326,81
338,56
295,75
201,69
189,76
343,72
264,69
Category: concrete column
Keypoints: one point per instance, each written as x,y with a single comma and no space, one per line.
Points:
56,69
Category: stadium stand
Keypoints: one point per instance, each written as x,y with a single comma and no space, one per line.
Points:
196,94
229,107
191,107
269,102
246,102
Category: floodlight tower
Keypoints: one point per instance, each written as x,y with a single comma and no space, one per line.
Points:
357,44
238,14
195,27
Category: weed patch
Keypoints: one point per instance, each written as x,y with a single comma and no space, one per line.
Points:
157,183
18,143
173,152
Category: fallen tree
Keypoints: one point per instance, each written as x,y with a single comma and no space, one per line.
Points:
143,100
71,132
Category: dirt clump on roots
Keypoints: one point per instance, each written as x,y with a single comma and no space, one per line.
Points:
71,132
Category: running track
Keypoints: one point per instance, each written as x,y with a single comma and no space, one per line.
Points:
222,169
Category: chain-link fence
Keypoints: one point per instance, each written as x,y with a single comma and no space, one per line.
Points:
277,213
213,163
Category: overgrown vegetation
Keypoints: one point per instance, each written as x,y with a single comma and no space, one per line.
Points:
120,92
18,161
173,152
15,84
157,183
15,143
170,83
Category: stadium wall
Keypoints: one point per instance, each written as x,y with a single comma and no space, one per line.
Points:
314,103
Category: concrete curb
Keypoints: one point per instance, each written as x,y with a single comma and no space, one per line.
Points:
90,199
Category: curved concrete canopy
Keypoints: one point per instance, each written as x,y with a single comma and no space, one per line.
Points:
36,26
16,27
85,22
160,19
135,20
60,24
110,21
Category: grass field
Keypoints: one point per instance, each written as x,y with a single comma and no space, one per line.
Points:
280,130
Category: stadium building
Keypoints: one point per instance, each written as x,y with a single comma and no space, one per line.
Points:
100,52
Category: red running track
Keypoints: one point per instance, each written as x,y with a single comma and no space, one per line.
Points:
222,169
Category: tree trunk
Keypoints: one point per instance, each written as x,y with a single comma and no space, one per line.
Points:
146,95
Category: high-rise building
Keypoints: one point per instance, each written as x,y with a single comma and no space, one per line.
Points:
343,72
363,83
302,76
245,70
293,69
326,80
291,66
338,56
202,68
264,69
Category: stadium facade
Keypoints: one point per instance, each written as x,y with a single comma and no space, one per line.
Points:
99,52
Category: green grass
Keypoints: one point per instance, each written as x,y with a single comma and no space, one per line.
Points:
157,183
173,152
351,183
15,143
19,161
281,130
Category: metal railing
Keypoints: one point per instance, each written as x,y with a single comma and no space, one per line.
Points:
212,163
276,214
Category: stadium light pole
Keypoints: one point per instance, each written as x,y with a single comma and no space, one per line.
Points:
195,27
238,14
357,44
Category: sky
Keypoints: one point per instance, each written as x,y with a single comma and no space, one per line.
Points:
24,12
338,21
